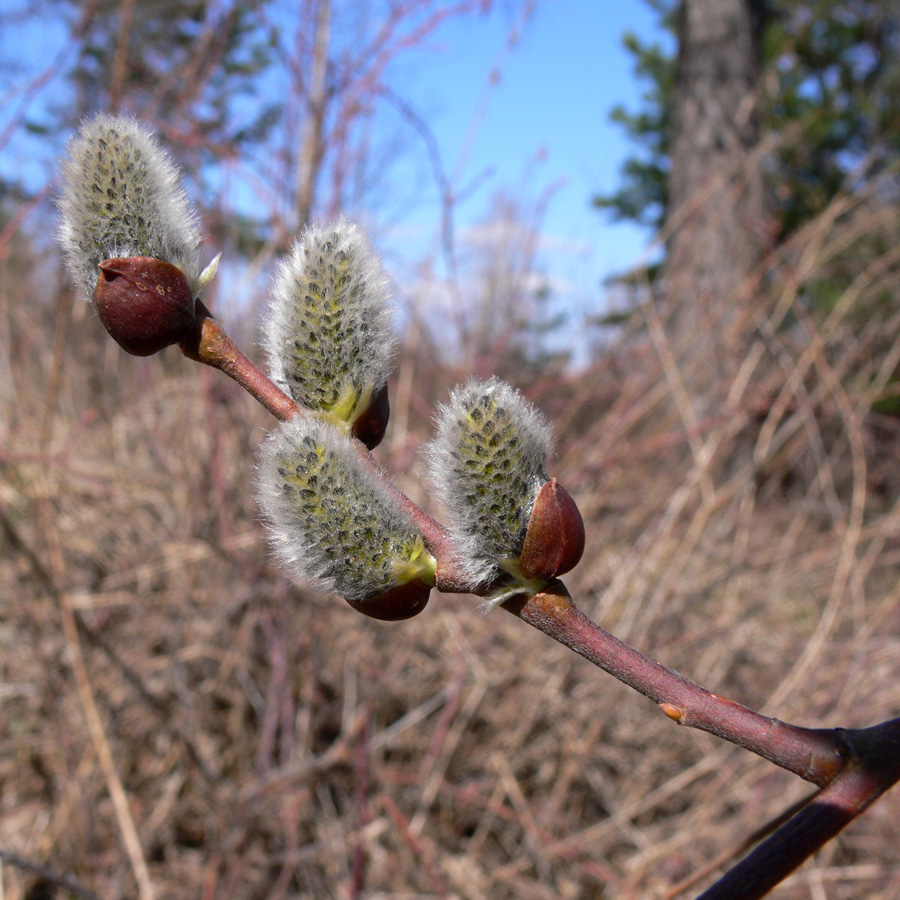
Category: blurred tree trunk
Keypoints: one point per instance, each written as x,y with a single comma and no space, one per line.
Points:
717,220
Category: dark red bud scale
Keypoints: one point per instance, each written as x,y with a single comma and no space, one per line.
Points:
372,424
145,303
402,602
554,539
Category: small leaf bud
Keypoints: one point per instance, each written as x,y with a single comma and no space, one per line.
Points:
333,523
372,424
145,303
402,602
554,539
328,335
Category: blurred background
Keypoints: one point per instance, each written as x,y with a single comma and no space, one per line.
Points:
675,228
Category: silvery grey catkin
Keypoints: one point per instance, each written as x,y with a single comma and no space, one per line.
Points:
487,464
328,335
332,522
122,197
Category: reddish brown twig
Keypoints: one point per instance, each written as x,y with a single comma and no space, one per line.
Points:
209,343
816,755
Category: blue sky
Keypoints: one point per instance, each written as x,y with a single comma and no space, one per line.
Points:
544,127
556,89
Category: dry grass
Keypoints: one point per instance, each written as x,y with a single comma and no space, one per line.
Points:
272,743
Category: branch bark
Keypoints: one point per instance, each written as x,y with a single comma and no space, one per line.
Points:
872,768
816,755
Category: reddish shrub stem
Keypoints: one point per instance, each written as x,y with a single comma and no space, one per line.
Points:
816,755
209,343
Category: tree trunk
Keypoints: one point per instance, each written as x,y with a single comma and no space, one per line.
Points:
717,221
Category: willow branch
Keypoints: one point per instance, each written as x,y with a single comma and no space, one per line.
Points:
816,755
208,342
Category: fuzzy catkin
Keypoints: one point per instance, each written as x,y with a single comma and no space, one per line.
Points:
328,335
330,520
121,196
487,464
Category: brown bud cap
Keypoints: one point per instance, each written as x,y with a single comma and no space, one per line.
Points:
554,539
372,424
402,602
145,303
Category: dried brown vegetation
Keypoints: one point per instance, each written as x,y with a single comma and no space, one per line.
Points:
179,721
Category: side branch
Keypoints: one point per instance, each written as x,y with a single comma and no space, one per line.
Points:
872,768
816,755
